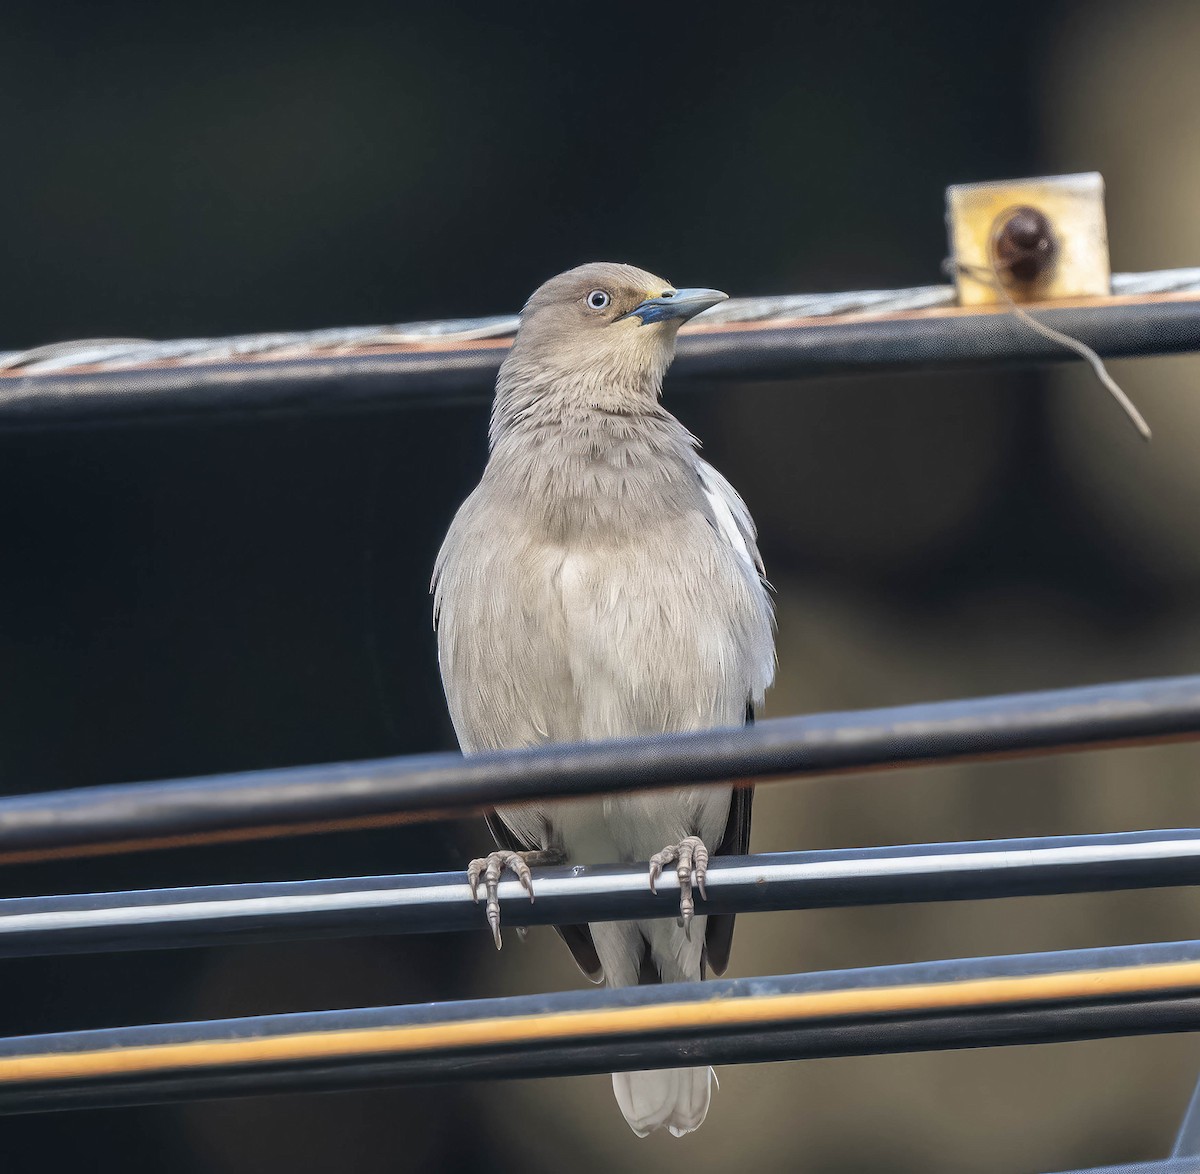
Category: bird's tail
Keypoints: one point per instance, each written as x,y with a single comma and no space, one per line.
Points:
674,1099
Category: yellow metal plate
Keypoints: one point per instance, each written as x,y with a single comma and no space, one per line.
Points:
1074,205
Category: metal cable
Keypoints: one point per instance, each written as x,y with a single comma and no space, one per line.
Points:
361,369
121,354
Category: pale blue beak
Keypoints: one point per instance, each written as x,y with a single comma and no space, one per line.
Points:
676,303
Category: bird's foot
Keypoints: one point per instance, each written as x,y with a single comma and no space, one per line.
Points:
489,869
691,859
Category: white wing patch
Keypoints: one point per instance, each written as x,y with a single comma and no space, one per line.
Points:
732,517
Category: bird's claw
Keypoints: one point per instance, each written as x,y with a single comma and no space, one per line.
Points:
691,859
489,869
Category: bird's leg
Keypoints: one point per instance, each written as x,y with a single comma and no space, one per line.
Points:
490,868
691,859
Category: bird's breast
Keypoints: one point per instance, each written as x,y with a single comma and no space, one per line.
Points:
660,632
588,598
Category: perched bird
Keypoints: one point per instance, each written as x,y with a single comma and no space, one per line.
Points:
601,582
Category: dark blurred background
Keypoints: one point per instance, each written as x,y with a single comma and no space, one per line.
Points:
183,599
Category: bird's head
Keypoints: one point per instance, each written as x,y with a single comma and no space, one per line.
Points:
602,333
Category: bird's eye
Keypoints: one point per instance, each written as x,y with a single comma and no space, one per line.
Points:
598,299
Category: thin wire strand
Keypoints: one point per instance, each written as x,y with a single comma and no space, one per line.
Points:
1097,364
991,277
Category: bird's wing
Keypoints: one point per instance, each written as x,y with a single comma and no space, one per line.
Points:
578,937
733,522
730,516
718,933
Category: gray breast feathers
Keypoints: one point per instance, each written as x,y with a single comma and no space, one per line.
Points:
665,626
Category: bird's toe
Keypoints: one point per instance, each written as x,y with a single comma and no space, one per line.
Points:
690,856
489,869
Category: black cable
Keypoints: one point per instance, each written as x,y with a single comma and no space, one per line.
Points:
319,798
434,373
974,1002
220,914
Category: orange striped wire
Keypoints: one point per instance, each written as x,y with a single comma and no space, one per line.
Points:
693,1015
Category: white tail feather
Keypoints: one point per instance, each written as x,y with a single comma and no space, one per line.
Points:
674,1099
